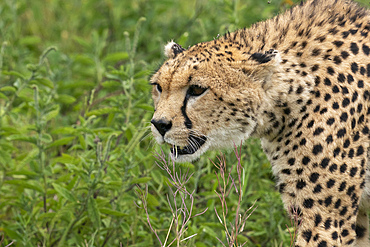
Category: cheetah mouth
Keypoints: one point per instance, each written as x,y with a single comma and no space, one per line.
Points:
195,144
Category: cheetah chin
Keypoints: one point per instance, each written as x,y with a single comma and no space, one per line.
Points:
191,152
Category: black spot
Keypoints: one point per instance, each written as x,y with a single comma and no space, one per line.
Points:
317,189
315,68
343,212
333,168
341,78
307,235
316,52
317,149
354,67
306,160
335,89
329,139
345,34
353,171
337,60
327,82
350,79
330,70
337,203
314,176
334,235
341,132
322,244
336,152
328,201
342,186
354,96
330,183
338,43
344,54
286,171
302,142
360,83
345,102
360,151
291,161
318,219
308,203
366,49
300,184
327,224
324,163
343,168
362,70
282,187
330,121
346,143
323,111
354,48
344,117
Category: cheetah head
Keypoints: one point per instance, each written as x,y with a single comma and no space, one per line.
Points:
208,97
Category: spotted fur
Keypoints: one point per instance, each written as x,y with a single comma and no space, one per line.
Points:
300,83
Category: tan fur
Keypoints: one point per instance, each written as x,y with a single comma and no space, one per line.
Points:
300,82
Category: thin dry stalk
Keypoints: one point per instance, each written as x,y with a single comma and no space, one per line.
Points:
225,184
181,201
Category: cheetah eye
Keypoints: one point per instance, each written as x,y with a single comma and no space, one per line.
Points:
159,88
195,90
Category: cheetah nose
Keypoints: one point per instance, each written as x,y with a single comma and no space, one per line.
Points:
162,125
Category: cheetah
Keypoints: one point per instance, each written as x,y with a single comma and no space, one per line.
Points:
301,83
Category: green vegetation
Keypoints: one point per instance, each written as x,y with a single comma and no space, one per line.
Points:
75,144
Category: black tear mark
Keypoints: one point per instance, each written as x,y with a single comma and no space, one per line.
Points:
187,122
261,57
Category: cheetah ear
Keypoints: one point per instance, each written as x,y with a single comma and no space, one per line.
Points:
263,65
171,50
270,57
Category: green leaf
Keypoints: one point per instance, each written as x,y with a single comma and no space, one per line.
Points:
93,212
14,73
103,111
30,40
115,57
22,138
66,99
25,184
142,180
51,114
43,81
61,141
64,192
111,84
152,201
111,212
3,96
145,107
46,138
84,59
8,89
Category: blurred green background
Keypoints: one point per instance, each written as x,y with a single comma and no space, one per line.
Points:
75,112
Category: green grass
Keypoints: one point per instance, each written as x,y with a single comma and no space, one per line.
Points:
75,108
